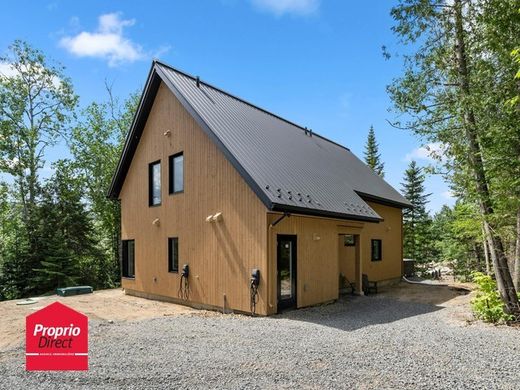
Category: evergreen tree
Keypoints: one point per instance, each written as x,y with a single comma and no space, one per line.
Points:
69,245
96,145
372,155
416,221
37,103
59,267
454,90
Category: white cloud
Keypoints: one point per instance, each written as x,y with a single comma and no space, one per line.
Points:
107,42
427,152
7,70
281,7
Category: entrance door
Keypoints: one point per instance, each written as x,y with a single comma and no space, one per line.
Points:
286,271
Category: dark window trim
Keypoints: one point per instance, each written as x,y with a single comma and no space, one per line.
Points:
150,184
380,249
124,259
171,173
170,255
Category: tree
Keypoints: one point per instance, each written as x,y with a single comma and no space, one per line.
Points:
37,103
416,221
96,145
453,91
372,155
70,243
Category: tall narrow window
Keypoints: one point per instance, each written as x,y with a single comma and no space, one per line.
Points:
176,182
128,266
377,250
154,183
173,254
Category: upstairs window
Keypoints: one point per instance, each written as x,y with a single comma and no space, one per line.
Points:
173,254
176,184
377,250
128,257
154,183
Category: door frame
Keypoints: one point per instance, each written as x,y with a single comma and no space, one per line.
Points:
283,304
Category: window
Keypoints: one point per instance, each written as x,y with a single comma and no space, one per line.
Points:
377,250
176,183
349,240
128,259
173,254
154,183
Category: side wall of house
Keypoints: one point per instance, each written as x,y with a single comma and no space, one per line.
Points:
220,254
321,254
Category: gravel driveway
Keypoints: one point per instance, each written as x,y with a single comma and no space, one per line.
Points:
361,342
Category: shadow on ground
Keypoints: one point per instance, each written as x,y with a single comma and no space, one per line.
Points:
392,303
353,312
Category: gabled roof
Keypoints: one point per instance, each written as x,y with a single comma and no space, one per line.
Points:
288,167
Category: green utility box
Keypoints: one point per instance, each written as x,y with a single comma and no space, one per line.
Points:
76,290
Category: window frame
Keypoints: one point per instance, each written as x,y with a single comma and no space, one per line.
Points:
124,259
171,265
372,242
150,183
171,173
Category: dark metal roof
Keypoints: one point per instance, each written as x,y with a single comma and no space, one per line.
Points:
287,166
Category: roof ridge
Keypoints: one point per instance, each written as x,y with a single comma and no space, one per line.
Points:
156,61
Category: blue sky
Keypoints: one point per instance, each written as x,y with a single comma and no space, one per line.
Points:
317,63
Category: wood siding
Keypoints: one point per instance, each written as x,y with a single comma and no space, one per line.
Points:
322,255
220,254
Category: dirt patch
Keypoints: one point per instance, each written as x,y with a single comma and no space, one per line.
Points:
109,305
456,296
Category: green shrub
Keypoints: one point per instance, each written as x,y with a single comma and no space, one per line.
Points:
487,305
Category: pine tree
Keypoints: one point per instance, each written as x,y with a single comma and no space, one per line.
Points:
416,221
372,155
68,246
455,87
59,268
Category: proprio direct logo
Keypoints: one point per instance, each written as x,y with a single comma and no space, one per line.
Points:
56,339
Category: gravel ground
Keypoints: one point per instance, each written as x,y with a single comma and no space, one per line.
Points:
360,342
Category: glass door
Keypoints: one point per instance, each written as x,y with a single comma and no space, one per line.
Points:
286,262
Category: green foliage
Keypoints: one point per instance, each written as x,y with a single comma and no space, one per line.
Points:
70,243
36,106
63,230
458,239
455,89
96,145
487,305
417,240
372,155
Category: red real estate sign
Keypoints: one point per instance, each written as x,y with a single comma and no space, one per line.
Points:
56,338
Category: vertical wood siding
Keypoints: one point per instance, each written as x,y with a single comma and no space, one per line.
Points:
322,255
221,254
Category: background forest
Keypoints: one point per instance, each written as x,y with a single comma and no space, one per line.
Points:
459,89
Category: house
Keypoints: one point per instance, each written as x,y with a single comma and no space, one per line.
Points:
213,182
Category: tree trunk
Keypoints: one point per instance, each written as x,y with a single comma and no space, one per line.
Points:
486,252
516,279
505,284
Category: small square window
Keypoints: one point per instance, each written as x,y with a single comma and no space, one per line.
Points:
173,254
377,250
349,240
128,258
